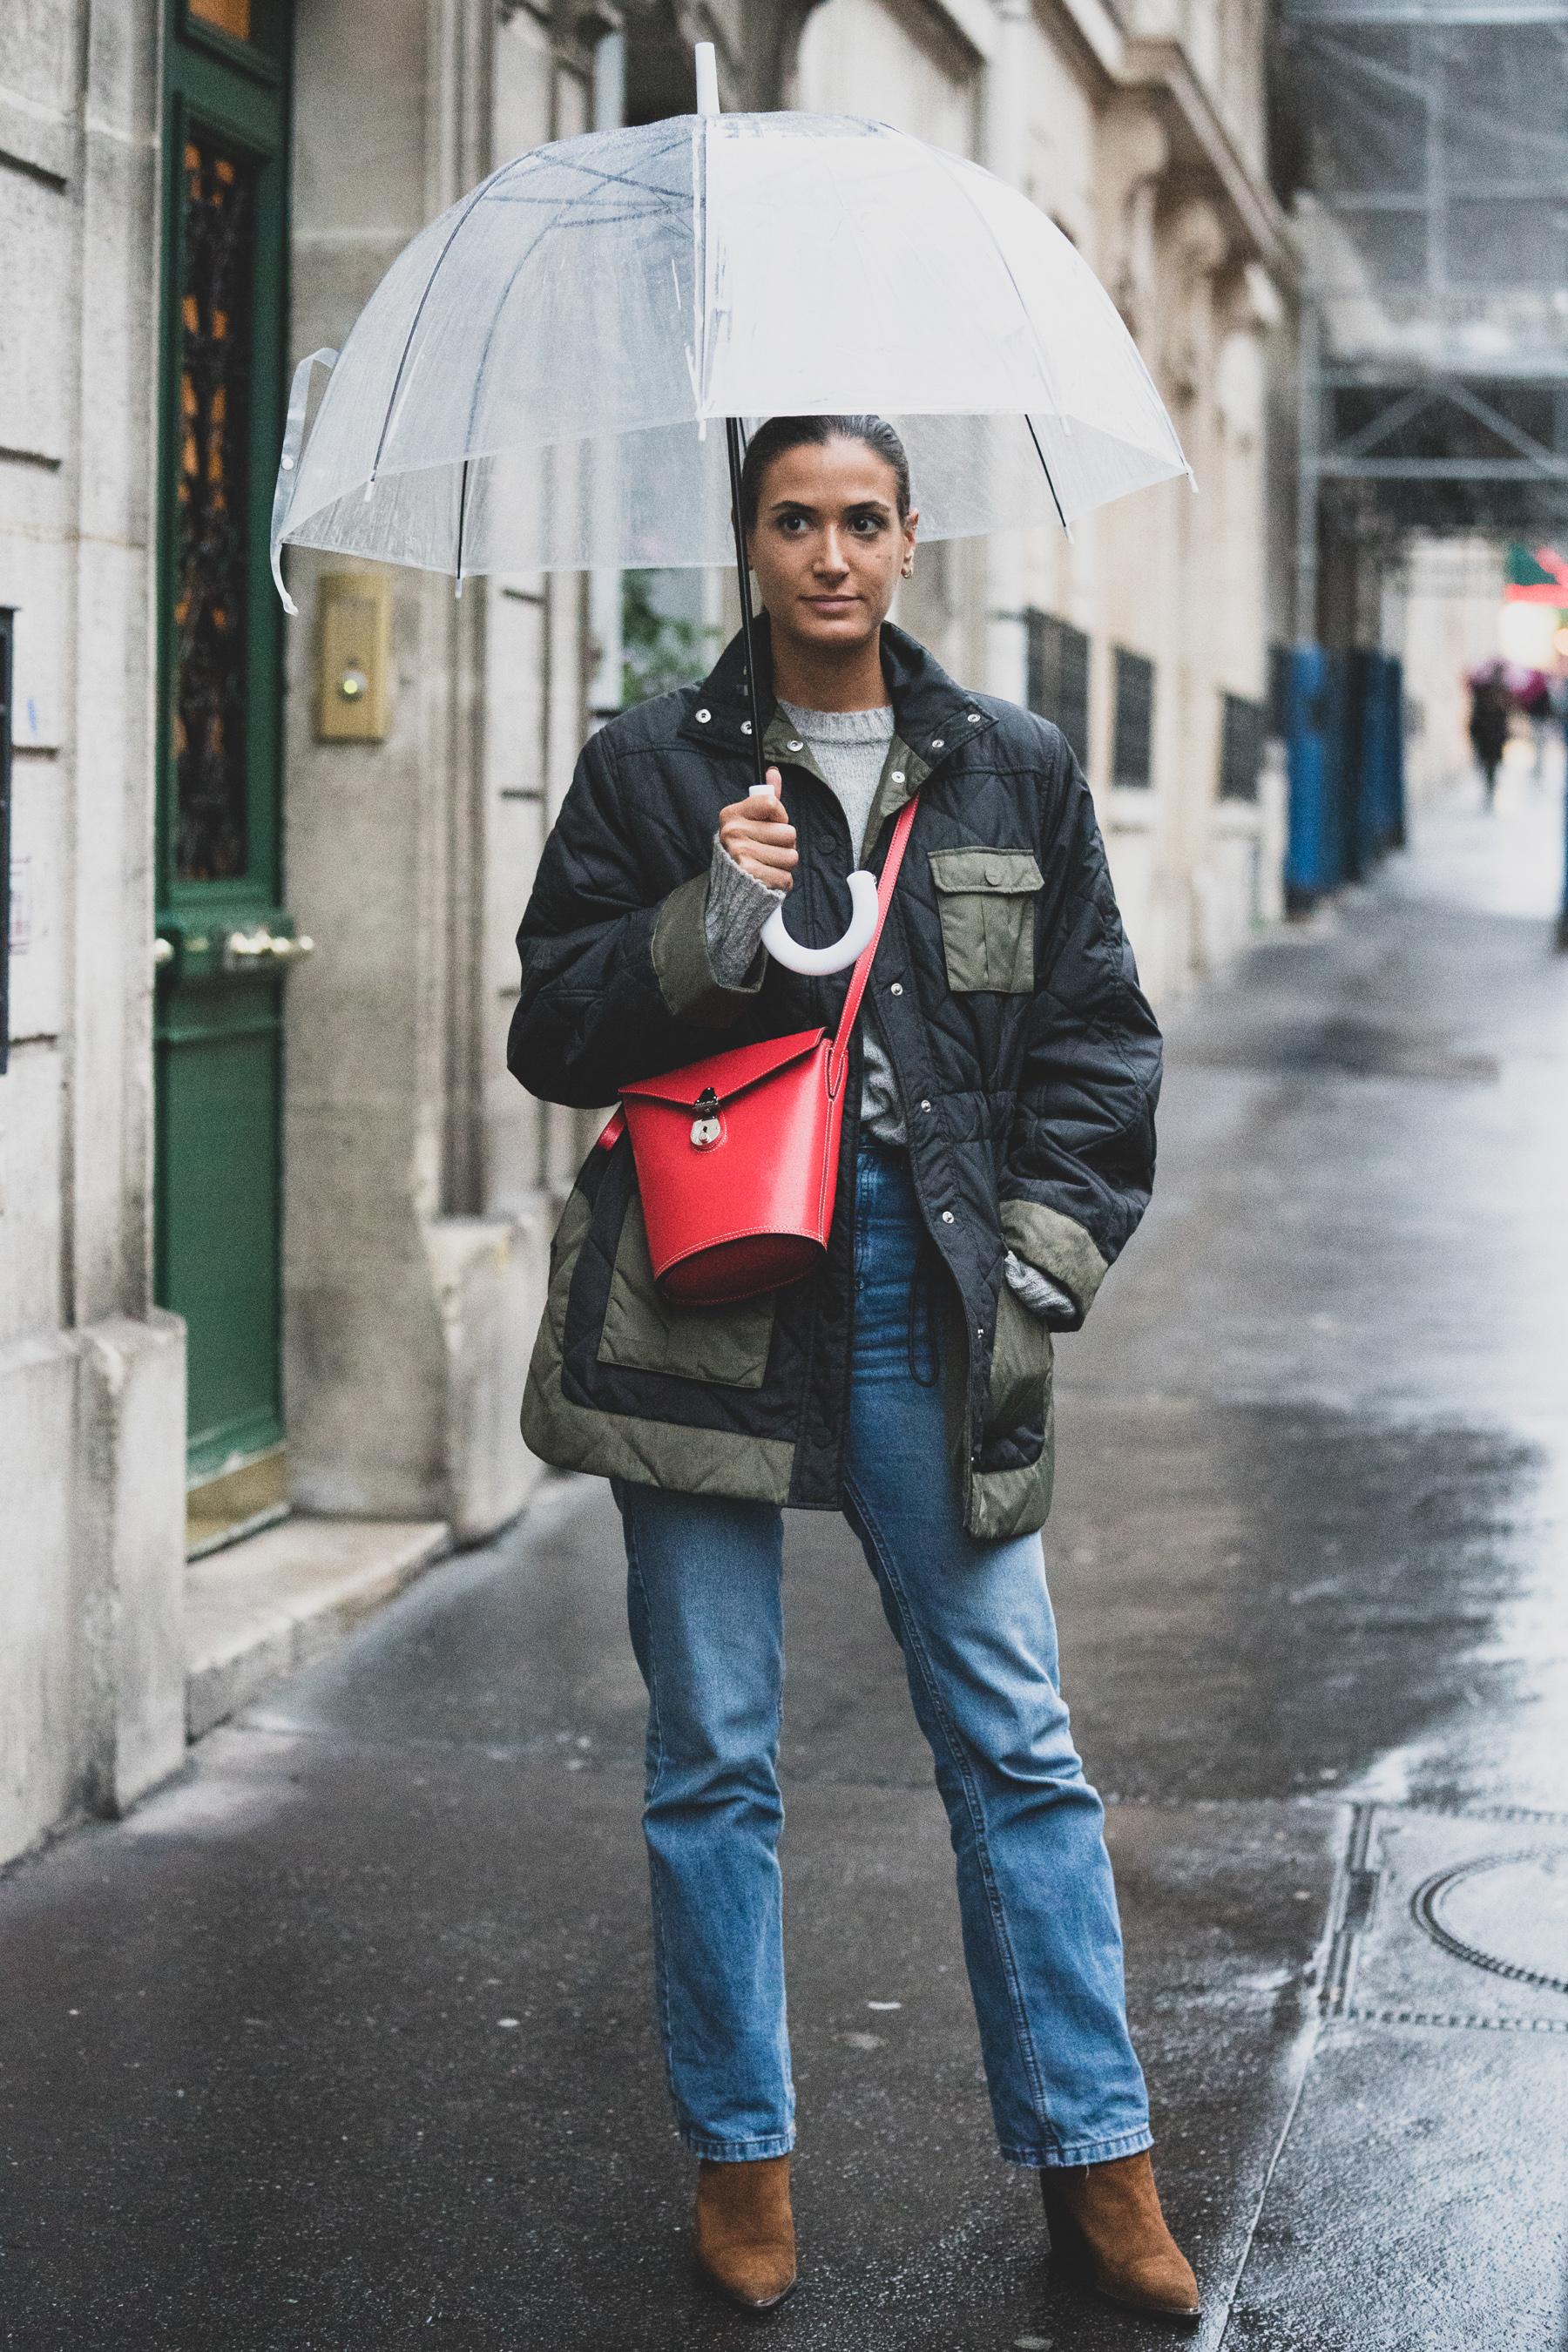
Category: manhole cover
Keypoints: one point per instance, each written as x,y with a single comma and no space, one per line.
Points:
1506,1911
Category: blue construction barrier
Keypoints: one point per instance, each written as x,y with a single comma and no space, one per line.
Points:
1344,733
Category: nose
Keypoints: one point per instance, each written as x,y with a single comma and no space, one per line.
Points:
832,557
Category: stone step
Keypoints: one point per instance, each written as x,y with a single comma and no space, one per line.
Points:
265,1609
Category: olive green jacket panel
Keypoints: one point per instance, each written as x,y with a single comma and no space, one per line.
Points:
1014,1500
648,1333
1056,1246
615,1445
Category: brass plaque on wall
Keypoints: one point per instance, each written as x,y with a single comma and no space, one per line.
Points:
354,653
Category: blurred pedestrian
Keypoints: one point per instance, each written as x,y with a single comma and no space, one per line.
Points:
1490,707
1004,1093
1535,701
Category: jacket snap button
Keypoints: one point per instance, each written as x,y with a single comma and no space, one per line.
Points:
947,1216
745,726
703,717
925,1105
896,989
993,875
898,776
797,745
974,718
936,742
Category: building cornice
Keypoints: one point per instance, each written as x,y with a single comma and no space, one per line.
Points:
975,22
1161,71
1086,29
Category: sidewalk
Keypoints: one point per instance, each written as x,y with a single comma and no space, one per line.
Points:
348,2041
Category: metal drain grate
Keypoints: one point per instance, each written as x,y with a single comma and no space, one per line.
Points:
1425,1909
1416,1892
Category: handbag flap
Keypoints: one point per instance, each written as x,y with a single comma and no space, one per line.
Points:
728,1074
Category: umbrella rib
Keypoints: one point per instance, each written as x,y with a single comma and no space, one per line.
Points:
1046,368
598,174
667,202
602,178
521,264
1045,469
703,321
419,312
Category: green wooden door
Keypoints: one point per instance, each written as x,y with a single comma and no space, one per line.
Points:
225,937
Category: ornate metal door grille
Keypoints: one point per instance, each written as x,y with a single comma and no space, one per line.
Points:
212,494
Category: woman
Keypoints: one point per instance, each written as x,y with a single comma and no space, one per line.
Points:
1006,1072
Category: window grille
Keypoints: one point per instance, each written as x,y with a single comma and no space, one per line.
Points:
1058,679
212,497
7,622
1243,728
1134,751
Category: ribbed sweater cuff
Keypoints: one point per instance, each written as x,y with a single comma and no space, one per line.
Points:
1054,1305
738,909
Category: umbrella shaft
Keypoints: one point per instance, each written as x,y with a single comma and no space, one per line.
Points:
744,576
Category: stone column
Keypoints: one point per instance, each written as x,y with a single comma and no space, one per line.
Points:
417,1230
92,1377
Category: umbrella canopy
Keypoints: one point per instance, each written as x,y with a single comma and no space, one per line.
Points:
532,384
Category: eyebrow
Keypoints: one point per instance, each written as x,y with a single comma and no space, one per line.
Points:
857,506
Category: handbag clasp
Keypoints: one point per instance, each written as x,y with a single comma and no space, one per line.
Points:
706,1127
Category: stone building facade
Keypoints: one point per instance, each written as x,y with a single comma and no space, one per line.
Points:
275,1212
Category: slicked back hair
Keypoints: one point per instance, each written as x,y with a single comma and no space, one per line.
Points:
781,433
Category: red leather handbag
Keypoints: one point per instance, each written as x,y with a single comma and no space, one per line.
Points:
737,1155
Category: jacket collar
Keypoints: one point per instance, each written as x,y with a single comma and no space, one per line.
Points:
931,716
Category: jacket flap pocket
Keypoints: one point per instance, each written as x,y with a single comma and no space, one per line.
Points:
1011,870
728,1074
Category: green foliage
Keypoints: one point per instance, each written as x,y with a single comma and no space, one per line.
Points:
656,653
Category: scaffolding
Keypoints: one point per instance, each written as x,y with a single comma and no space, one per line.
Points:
1423,144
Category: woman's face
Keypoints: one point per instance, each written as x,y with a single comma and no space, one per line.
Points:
827,546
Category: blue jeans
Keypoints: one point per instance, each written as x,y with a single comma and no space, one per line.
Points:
1041,1936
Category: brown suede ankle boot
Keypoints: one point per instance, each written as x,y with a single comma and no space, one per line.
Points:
1106,2225
745,2230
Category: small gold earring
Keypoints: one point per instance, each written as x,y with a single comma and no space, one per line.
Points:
909,571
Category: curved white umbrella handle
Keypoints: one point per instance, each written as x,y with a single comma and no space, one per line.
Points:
846,950
856,941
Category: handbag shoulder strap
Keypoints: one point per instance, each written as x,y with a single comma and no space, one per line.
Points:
889,875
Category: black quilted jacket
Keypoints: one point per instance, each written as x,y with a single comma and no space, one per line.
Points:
1005,991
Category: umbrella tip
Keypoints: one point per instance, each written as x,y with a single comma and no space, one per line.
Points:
706,79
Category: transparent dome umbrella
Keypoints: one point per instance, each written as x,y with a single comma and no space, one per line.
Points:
557,373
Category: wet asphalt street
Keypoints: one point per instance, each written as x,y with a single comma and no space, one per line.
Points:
347,2041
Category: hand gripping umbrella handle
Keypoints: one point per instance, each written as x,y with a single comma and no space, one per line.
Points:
849,950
